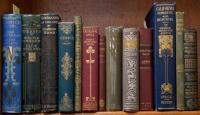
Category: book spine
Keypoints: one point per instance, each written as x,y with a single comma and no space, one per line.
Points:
49,24
130,69
1,62
179,61
145,70
190,69
31,31
102,73
113,68
198,61
90,68
66,63
12,64
78,49
163,21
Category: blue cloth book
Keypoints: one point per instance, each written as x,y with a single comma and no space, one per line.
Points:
66,55
162,20
11,68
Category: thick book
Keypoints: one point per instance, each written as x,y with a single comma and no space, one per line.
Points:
190,69
145,70
12,64
179,61
49,23
90,54
130,67
113,68
31,32
66,66
162,20
102,73
78,50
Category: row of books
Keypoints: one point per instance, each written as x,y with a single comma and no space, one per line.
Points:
51,66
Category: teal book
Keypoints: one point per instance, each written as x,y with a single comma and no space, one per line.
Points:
31,31
66,66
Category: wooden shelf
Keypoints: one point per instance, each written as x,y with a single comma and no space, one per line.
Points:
126,113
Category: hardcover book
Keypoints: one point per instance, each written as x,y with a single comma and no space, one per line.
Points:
31,31
90,65
78,49
190,69
113,68
179,61
102,73
163,21
130,69
145,70
66,69
12,64
1,61
49,23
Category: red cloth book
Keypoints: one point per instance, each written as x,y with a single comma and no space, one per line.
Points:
145,64
90,65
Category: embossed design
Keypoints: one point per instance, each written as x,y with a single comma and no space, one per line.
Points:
132,79
166,51
11,59
66,103
66,66
90,51
32,56
166,88
165,45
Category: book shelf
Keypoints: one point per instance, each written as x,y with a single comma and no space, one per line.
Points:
127,13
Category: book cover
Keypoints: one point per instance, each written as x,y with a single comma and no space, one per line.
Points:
49,23
12,64
190,69
179,61
66,69
78,49
90,54
102,73
162,20
31,32
113,68
130,69
145,70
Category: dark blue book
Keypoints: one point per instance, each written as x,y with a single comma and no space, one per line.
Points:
162,20
11,68
66,47
31,32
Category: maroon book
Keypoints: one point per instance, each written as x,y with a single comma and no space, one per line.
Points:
90,65
145,63
102,73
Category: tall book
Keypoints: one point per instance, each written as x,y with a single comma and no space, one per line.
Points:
66,66
31,31
78,49
190,69
145,70
162,19
102,73
1,61
49,23
130,69
12,64
113,68
90,54
179,61
198,66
